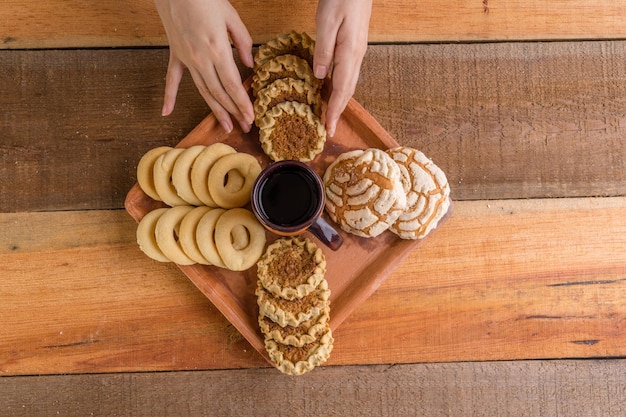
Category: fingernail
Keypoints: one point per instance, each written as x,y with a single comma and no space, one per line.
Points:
330,131
227,125
245,126
320,71
248,118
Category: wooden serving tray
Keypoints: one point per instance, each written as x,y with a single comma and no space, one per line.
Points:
354,271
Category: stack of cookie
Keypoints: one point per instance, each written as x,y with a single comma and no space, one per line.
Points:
293,299
288,104
401,190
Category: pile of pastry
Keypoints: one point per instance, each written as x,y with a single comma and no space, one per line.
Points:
369,191
293,299
206,188
288,104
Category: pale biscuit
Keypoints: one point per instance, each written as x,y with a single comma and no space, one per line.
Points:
284,66
427,190
287,90
239,258
201,168
205,237
187,234
292,360
145,171
295,43
291,268
293,312
163,169
307,332
290,130
181,174
232,167
167,231
364,192
146,238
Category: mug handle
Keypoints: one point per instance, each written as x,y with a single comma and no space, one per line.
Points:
322,230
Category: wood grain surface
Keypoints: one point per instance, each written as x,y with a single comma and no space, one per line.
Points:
84,23
575,388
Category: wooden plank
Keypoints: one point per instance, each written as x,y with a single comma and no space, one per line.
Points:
54,24
504,120
501,280
523,388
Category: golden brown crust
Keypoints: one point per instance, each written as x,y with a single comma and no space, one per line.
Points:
295,43
283,66
290,130
293,312
283,90
292,360
306,332
291,268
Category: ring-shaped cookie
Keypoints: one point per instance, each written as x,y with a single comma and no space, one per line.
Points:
244,258
201,168
225,168
187,234
205,236
146,238
145,173
167,230
181,174
163,168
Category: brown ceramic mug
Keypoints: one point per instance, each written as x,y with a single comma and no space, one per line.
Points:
288,199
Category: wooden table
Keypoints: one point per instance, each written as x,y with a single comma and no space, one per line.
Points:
515,307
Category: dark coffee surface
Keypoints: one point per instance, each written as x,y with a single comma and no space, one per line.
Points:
288,197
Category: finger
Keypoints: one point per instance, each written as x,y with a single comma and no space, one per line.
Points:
230,91
344,80
327,30
242,41
175,70
221,114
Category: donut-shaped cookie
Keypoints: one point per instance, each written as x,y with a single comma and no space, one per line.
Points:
364,192
181,174
146,238
167,232
290,130
231,166
427,191
163,168
205,237
145,171
201,168
187,234
295,43
239,259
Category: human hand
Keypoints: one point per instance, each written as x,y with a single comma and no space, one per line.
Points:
198,33
341,41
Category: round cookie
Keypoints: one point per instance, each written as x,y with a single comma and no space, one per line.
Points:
292,360
167,231
291,268
306,332
187,234
295,43
286,89
235,256
201,168
283,66
293,312
364,192
146,238
230,168
145,171
181,174
163,168
290,130
427,191
205,237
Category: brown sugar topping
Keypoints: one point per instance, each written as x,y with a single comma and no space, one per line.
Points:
293,137
292,267
297,354
288,96
298,304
